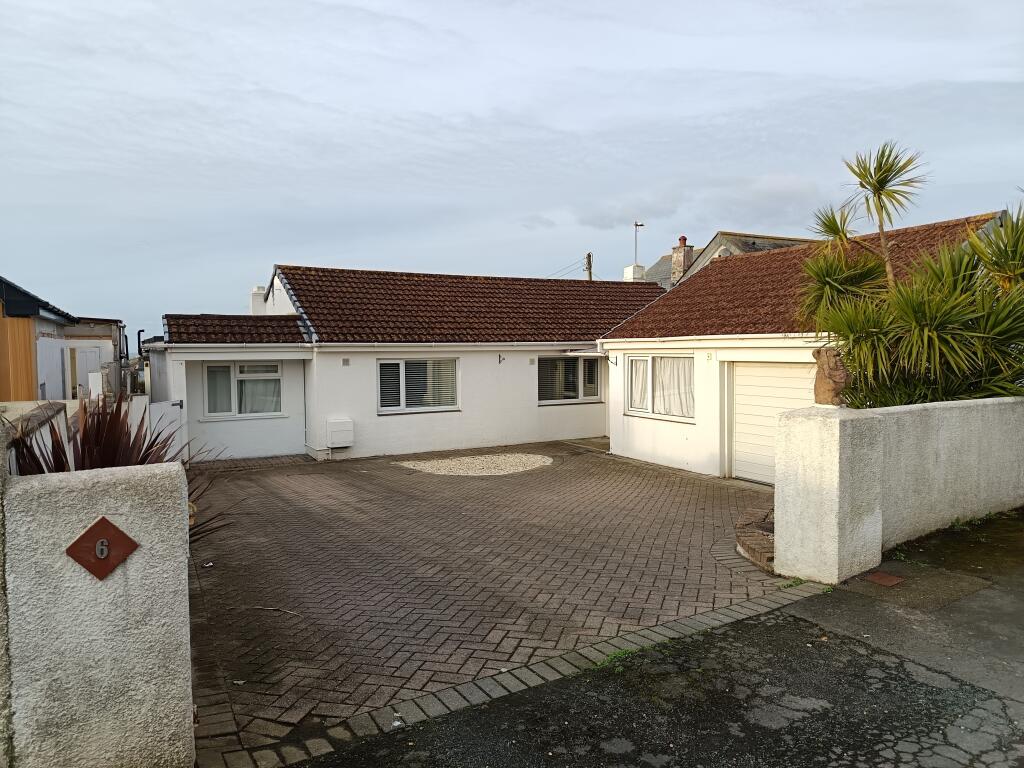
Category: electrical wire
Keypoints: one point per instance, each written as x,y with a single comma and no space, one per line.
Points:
578,264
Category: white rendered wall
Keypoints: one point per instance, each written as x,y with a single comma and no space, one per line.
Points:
100,671
700,446
498,405
277,302
851,483
228,437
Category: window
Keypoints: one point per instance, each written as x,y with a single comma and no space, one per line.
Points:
568,378
243,389
412,385
660,386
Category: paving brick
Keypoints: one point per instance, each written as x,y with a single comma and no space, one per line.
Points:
526,676
410,712
423,617
593,654
560,665
431,705
545,670
578,660
267,728
362,725
452,699
472,693
291,754
385,719
267,758
317,747
209,758
510,683
238,760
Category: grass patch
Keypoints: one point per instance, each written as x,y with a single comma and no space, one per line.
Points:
614,660
793,583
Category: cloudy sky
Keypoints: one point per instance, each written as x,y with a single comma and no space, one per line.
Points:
162,156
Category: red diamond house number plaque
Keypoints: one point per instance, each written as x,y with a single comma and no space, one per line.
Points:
101,548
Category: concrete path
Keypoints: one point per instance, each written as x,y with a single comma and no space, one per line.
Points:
927,671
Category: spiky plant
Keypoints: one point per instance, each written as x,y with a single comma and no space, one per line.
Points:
949,331
105,437
1000,250
887,179
835,277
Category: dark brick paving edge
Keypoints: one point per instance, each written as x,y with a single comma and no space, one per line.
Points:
486,689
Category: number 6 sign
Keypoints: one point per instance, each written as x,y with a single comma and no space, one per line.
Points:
102,548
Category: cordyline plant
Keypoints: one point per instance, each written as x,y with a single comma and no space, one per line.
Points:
105,437
953,329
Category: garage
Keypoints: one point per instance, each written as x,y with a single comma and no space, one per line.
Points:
761,391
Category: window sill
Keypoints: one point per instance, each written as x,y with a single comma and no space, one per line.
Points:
661,417
407,411
243,417
587,401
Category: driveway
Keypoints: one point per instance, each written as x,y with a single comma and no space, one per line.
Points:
923,669
340,588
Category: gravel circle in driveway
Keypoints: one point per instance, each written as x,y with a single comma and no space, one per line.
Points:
491,464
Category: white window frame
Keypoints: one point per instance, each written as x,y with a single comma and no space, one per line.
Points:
579,378
235,376
382,411
648,412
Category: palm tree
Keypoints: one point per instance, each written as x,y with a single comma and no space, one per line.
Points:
888,179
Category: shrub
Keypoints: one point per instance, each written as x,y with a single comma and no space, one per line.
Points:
104,438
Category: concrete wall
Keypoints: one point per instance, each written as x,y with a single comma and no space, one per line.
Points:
497,404
700,445
851,483
228,437
100,670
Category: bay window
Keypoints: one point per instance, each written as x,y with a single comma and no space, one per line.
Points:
417,385
660,386
561,379
242,389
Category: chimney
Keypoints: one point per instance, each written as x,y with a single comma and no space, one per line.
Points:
682,259
634,273
256,304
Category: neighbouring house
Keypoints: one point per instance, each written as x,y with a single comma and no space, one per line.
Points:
47,353
699,377
342,363
684,260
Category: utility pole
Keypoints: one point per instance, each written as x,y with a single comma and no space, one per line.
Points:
588,265
636,240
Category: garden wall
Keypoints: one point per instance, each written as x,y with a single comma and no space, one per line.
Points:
99,670
851,483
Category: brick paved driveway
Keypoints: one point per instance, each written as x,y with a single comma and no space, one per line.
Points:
339,588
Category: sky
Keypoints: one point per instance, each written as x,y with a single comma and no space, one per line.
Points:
163,156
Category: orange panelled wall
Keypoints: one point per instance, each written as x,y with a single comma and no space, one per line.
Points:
17,358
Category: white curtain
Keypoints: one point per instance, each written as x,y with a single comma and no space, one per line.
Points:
218,389
638,384
673,386
259,396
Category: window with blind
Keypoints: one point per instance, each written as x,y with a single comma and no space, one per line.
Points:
417,385
561,379
660,386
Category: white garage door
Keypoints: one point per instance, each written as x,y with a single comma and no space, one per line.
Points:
761,391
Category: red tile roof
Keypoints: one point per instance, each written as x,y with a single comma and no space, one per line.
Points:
233,329
359,306
759,293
